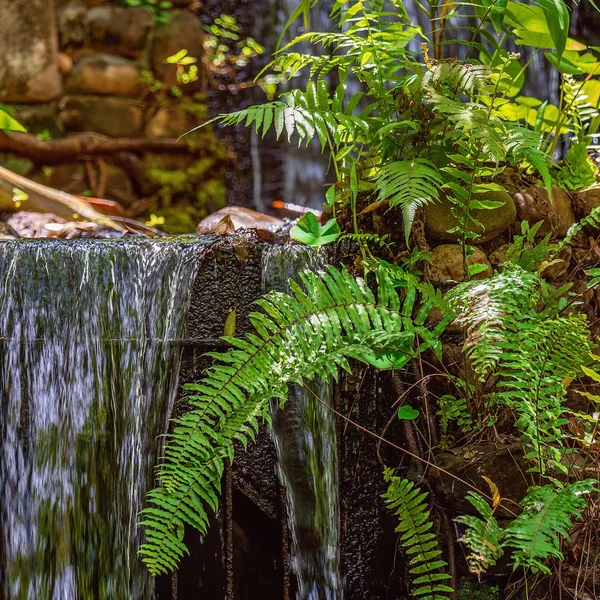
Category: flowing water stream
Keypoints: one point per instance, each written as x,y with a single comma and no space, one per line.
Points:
305,439
88,375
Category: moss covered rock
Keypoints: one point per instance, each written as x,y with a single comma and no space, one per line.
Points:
533,205
447,264
439,220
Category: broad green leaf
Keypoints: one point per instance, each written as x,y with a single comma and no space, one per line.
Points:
9,123
557,18
309,231
407,413
477,268
563,65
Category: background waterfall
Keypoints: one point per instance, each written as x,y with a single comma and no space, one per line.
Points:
87,381
305,439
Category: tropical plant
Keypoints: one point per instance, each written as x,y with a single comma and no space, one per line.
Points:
407,502
423,128
534,536
310,333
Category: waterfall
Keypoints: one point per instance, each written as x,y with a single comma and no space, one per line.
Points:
305,440
88,375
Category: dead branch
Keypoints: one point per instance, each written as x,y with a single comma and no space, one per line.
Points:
80,145
41,198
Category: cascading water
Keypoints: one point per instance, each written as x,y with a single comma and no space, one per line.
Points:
305,439
88,375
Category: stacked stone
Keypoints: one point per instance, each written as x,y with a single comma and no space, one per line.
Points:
76,66
499,225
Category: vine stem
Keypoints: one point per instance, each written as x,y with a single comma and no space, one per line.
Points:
412,454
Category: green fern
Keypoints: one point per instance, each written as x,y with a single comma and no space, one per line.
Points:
410,184
537,359
534,536
523,144
305,114
578,171
591,220
298,337
489,310
407,502
483,537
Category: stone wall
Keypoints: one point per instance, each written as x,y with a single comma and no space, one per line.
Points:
73,66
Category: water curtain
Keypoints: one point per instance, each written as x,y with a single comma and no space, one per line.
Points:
89,359
305,439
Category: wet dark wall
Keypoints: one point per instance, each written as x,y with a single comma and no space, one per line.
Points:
246,553
257,178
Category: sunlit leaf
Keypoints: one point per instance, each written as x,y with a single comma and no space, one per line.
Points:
8,123
309,231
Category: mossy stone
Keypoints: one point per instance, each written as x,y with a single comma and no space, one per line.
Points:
439,218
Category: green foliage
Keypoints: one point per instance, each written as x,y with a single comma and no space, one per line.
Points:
9,123
591,220
547,514
490,310
310,232
534,536
160,9
409,184
407,502
298,337
483,536
578,171
530,352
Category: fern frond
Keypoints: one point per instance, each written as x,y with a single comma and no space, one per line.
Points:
547,515
549,351
523,144
409,184
299,336
462,78
471,121
488,310
407,502
578,171
304,114
591,220
483,537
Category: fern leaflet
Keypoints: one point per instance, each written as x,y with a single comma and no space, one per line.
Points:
407,502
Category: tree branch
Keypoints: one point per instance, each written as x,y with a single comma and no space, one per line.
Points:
83,144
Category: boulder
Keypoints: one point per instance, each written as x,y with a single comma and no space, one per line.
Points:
120,30
183,31
115,117
585,201
533,206
242,218
439,218
447,264
106,76
29,67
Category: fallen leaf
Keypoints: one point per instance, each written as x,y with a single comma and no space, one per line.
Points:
225,226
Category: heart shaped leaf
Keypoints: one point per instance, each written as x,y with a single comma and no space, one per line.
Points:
407,413
309,231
